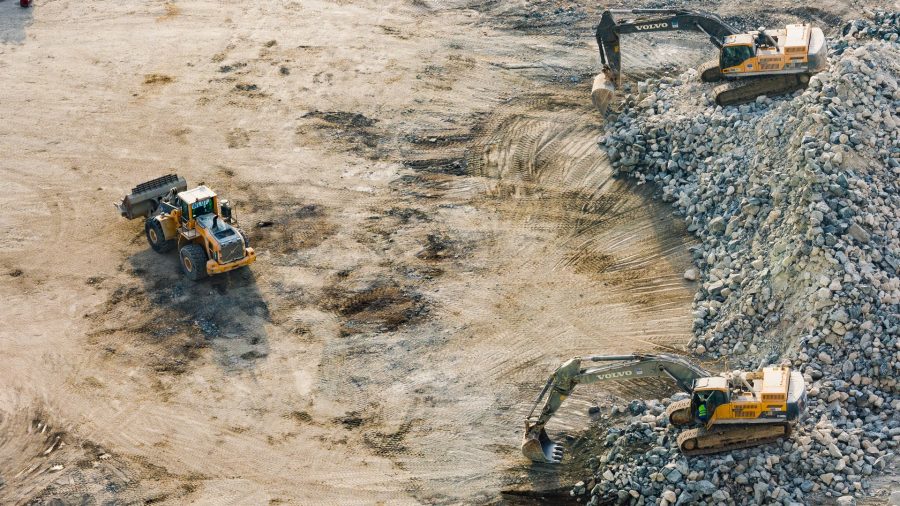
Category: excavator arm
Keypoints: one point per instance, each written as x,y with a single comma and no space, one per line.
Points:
645,20
653,20
539,447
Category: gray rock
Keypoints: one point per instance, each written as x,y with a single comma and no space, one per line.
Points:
670,496
716,225
675,476
858,233
706,487
692,274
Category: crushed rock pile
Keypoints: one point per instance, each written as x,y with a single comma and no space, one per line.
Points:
795,201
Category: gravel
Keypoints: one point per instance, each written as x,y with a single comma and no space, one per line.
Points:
795,201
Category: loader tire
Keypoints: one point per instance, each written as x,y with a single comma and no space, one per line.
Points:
245,238
157,238
193,261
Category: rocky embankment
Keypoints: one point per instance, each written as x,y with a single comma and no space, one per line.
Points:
795,201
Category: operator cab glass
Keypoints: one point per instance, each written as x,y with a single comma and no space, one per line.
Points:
711,398
735,55
201,207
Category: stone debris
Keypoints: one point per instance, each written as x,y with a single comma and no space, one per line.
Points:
795,201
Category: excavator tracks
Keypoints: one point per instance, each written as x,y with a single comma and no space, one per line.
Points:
747,89
679,412
709,71
724,438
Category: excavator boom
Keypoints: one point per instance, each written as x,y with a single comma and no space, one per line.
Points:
654,20
538,446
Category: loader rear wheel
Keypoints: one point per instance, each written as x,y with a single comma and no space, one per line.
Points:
193,261
156,237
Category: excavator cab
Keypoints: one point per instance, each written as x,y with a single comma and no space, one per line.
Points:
709,394
736,54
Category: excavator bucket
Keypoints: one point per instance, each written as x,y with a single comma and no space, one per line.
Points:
538,446
145,197
602,92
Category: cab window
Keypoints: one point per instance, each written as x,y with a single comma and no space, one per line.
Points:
202,207
735,55
185,211
712,399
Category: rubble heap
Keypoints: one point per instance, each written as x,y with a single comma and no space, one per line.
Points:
796,204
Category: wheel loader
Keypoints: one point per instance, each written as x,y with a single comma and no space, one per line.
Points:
761,62
201,226
725,412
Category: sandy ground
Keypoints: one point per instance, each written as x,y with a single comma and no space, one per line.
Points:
437,231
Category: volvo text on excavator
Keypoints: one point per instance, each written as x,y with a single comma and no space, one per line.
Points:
725,412
761,62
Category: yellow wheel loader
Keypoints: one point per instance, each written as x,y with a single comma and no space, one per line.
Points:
726,412
761,62
196,222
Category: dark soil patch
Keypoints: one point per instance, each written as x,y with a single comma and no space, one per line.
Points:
389,443
351,420
234,66
440,140
449,166
380,306
349,128
408,214
438,247
164,321
294,228
342,118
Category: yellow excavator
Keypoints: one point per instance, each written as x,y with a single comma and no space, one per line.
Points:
726,412
761,62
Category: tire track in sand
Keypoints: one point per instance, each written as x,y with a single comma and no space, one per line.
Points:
567,260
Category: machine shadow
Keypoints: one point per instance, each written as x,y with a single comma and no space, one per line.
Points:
13,21
226,312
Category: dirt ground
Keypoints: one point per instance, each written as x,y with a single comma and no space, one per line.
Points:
436,232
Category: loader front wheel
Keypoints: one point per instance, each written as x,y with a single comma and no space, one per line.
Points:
156,237
193,261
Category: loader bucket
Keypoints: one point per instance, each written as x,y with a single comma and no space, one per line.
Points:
538,446
145,197
602,92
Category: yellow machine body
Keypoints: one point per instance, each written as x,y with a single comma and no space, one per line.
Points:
180,222
788,51
762,399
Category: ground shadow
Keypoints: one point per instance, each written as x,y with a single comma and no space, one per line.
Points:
13,21
177,318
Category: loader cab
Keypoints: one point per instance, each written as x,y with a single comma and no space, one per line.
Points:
737,50
197,202
709,394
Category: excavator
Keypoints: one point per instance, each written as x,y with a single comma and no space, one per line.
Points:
761,62
734,410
